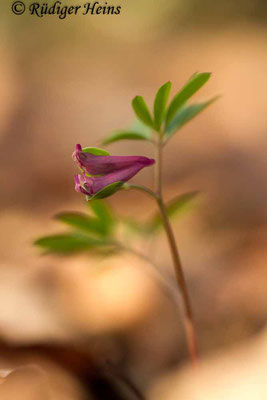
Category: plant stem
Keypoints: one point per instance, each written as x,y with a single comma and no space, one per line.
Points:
127,186
186,304
158,168
187,309
164,281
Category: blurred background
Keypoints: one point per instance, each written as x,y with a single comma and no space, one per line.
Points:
85,328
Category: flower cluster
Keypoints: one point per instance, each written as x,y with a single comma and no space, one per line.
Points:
100,171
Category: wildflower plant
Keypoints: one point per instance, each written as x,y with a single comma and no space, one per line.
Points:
101,175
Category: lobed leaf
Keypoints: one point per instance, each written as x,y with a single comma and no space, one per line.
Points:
142,112
136,227
190,88
139,127
68,243
104,214
82,222
160,104
126,135
175,207
184,115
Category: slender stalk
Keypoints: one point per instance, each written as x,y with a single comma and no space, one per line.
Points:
158,168
163,280
187,309
186,304
127,186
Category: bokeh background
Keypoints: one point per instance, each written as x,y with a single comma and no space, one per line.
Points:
64,322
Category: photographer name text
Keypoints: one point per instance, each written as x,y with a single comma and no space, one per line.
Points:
41,10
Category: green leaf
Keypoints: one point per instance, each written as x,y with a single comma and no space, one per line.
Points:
136,227
107,191
68,243
82,222
125,135
96,151
104,214
177,206
160,104
190,88
142,112
139,127
184,115
102,210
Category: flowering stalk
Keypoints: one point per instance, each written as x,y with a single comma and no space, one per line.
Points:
186,304
183,291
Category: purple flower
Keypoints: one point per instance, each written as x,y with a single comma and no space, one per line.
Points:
97,165
110,169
